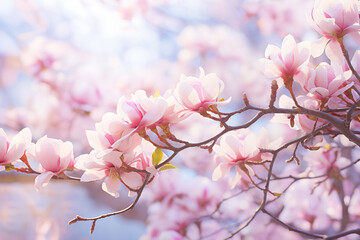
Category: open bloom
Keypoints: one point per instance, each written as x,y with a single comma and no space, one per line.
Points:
12,150
333,19
141,111
112,129
114,169
199,93
54,156
327,81
289,62
235,150
306,122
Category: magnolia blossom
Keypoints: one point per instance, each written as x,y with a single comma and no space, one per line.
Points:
289,62
333,19
54,156
112,129
141,111
308,209
111,168
196,94
327,81
176,208
174,112
14,149
326,161
235,150
306,122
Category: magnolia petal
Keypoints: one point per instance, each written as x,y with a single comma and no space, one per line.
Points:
18,145
211,86
3,144
155,114
287,50
318,47
43,180
114,158
320,92
111,186
132,179
97,141
333,52
93,175
230,145
220,171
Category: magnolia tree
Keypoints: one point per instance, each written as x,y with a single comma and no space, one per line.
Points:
296,178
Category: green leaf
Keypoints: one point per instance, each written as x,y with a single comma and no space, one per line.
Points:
9,167
276,194
157,156
167,167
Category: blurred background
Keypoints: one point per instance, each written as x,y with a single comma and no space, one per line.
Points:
63,64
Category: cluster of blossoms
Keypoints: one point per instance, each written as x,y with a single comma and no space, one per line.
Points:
129,145
121,150
324,86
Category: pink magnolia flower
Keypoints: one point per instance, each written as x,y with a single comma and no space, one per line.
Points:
333,19
327,81
112,129
289,62
308,209
199,93
141,111
111,168
326,160
174,112
14,149
54,156
235,150
306,122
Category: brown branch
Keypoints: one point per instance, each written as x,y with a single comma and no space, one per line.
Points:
347,58
131,206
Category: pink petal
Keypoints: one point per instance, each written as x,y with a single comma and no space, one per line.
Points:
270,69
132,179
43,180
155,114
333,52
114,158
47,153
187,95
111,186
287,50
318,47
97,141
4,144
113,124
66,155
211,86
18,145
321,92
93,175
230,145
272,50
221,170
